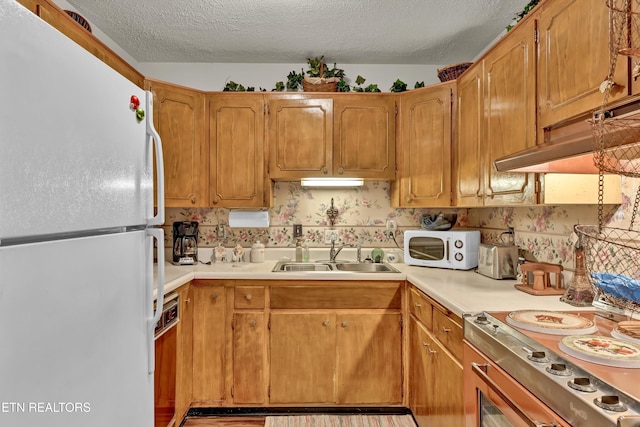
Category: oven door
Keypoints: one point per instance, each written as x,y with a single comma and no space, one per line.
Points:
494,399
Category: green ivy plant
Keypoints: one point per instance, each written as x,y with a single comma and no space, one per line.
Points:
524,12
294,80
418,85
370,88
398,86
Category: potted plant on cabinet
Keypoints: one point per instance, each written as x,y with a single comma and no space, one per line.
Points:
321,78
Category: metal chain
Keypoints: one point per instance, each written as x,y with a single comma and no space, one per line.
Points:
635,209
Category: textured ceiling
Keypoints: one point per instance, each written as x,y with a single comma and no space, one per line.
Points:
288,31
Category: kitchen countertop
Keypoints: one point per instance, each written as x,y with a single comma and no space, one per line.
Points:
459,291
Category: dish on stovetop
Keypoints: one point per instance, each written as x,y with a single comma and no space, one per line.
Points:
627,330
602,350
551,322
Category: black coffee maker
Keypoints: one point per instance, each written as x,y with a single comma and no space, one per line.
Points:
185,242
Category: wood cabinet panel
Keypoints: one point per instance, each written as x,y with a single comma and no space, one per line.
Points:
364,136
449,332
303,358
469,153
447,403
249,297
178,115
369,358
345,296
420,386
424,154
300,137
574,59
209,342
510,121
236,150
420,307
249,358
184,354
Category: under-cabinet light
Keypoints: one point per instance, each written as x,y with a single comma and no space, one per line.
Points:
332,182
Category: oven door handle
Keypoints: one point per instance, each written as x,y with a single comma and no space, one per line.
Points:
480,369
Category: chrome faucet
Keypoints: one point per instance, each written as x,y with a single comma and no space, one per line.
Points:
333,252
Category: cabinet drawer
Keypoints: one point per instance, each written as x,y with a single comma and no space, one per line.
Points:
249,297
448,332
336,297
420,307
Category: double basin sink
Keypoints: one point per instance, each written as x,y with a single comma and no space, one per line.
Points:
353,267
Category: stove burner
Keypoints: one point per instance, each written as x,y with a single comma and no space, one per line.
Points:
582,384
610,403
538,357
482,320
559,369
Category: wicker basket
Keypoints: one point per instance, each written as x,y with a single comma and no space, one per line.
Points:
320,85
452,72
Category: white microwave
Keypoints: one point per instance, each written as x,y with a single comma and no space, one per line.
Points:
454,249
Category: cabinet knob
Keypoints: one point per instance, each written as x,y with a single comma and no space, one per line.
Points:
248,297
192,198
188,300
253,323
325,170
216,200
407,199
345,324
214,296
425,344
325,323
418,304
432,351
340,170
446,330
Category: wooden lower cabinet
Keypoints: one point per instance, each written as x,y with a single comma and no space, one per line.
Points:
248,358
184,354
435,372
209,342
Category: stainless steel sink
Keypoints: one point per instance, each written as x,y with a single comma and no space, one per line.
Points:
366,268
289,266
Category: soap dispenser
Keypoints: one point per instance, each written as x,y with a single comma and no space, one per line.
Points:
298,250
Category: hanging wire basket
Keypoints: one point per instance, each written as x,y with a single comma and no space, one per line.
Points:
617,145
613,264
625,26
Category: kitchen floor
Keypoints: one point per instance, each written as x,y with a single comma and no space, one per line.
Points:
224,422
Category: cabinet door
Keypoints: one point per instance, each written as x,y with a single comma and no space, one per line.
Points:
300,137
303,359
424,156
178,115
249,358
369,358
184,354
468,156
574,59
420,385
236,150
510,120
209,343
447,402
364,136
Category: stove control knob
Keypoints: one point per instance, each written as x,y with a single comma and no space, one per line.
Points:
559,369
481,319
582,384
538,357
610,403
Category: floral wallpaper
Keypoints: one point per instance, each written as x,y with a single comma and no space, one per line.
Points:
544,233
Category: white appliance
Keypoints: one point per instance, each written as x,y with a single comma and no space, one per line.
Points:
76,234
454,249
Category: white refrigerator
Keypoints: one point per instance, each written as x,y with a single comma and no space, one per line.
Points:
77,234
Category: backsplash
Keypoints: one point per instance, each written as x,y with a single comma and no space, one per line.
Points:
544,232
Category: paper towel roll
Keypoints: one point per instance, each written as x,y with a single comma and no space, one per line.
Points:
248,219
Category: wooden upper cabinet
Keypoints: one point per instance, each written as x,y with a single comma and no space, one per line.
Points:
236,150
364,136
468,155
574,59
300,137
178,116
510,114
424,149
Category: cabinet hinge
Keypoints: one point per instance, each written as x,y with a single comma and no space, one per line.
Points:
233,322
269,322
537,187
396,106
269,391
266,108
536,35
232,391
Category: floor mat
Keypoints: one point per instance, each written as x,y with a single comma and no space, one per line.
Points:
340,421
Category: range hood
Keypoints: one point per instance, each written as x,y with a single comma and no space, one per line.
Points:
568,146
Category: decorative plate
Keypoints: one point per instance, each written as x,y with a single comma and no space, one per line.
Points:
79,19
551,322
627,330
602,350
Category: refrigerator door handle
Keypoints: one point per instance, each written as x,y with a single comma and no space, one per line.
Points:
152,134
158,235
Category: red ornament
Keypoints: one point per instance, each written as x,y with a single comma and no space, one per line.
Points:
134,103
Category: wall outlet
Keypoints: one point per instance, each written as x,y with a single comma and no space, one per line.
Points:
221,232
330,235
